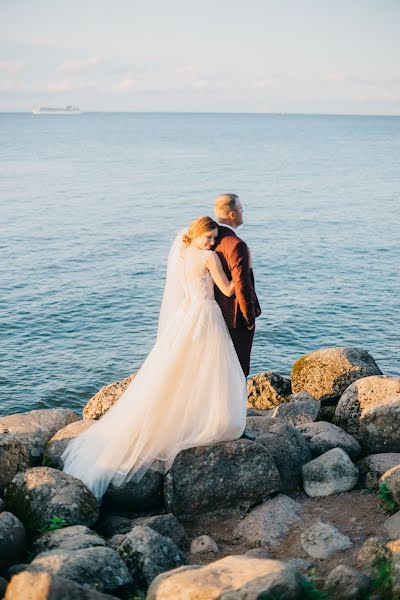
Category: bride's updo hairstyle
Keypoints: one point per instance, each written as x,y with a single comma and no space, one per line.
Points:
197,228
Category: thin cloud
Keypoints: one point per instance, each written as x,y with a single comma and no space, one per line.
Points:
78,65
12,66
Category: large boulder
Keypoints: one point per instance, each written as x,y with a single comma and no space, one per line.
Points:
75,537
267,524
100,568
105,398
301,408
372,467
230,578
136,496
14,457
327,372
43,586
33,429
369,410
330,473
321,540
42,493
287,445
148,553
58,442
345,583
12,540
267,390
323,436
227,474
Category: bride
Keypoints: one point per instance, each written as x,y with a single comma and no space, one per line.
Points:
190,391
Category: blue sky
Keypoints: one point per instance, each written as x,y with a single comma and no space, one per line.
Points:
310,56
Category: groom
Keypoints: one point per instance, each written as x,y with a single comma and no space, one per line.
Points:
240,311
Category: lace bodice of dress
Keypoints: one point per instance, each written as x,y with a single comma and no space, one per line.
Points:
198,283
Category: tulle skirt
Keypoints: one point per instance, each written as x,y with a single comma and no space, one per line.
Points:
190,391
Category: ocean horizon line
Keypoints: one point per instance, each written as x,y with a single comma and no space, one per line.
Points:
190,112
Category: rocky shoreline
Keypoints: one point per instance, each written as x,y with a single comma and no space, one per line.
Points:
309,509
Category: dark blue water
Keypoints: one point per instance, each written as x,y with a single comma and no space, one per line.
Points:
90,204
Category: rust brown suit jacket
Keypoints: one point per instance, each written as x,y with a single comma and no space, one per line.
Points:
241,309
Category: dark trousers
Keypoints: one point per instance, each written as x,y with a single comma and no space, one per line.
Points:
242,339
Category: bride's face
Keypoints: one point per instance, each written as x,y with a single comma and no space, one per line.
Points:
205,241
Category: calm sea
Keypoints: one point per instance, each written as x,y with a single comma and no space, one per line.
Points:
91,203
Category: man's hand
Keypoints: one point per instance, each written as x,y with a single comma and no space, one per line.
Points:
250,327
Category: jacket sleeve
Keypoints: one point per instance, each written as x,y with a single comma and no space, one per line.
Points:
241,276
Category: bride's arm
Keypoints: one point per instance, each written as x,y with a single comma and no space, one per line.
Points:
218,274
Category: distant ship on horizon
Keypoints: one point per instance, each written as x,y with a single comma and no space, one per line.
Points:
48,110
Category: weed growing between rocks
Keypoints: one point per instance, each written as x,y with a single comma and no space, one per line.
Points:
386,498
55,523
382,577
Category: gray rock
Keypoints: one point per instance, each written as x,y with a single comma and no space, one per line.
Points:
147,554
110,524
33,429
14,457
345,583
228,474
258,553
392,526
302,565
321,540
75,537
288,448
231,574
391,479
372,467
203,544
267,524
132,496
100,568
41,493
302,408
267,390
370,411
327,372
58,442
43,586
2,505
330,473
12,539
373,550
105,398
324,436
167,525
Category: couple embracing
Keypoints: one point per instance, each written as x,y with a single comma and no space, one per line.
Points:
191,389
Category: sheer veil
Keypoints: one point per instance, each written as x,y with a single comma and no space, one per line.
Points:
175,289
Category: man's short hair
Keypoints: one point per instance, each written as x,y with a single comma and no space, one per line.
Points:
224,204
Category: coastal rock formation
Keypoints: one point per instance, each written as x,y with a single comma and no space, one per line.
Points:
326,373
330,473
301,408
287,445
267,524
267,390
370,411
136,496
12,539
323,436
147,554
372,467
33,429
57,444
321,540
238,473
43,586
42,493
75,537
230,578
100,568
14,457
105,398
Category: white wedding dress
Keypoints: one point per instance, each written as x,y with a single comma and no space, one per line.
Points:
190,391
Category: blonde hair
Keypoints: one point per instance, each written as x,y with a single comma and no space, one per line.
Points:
224,204
198,227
